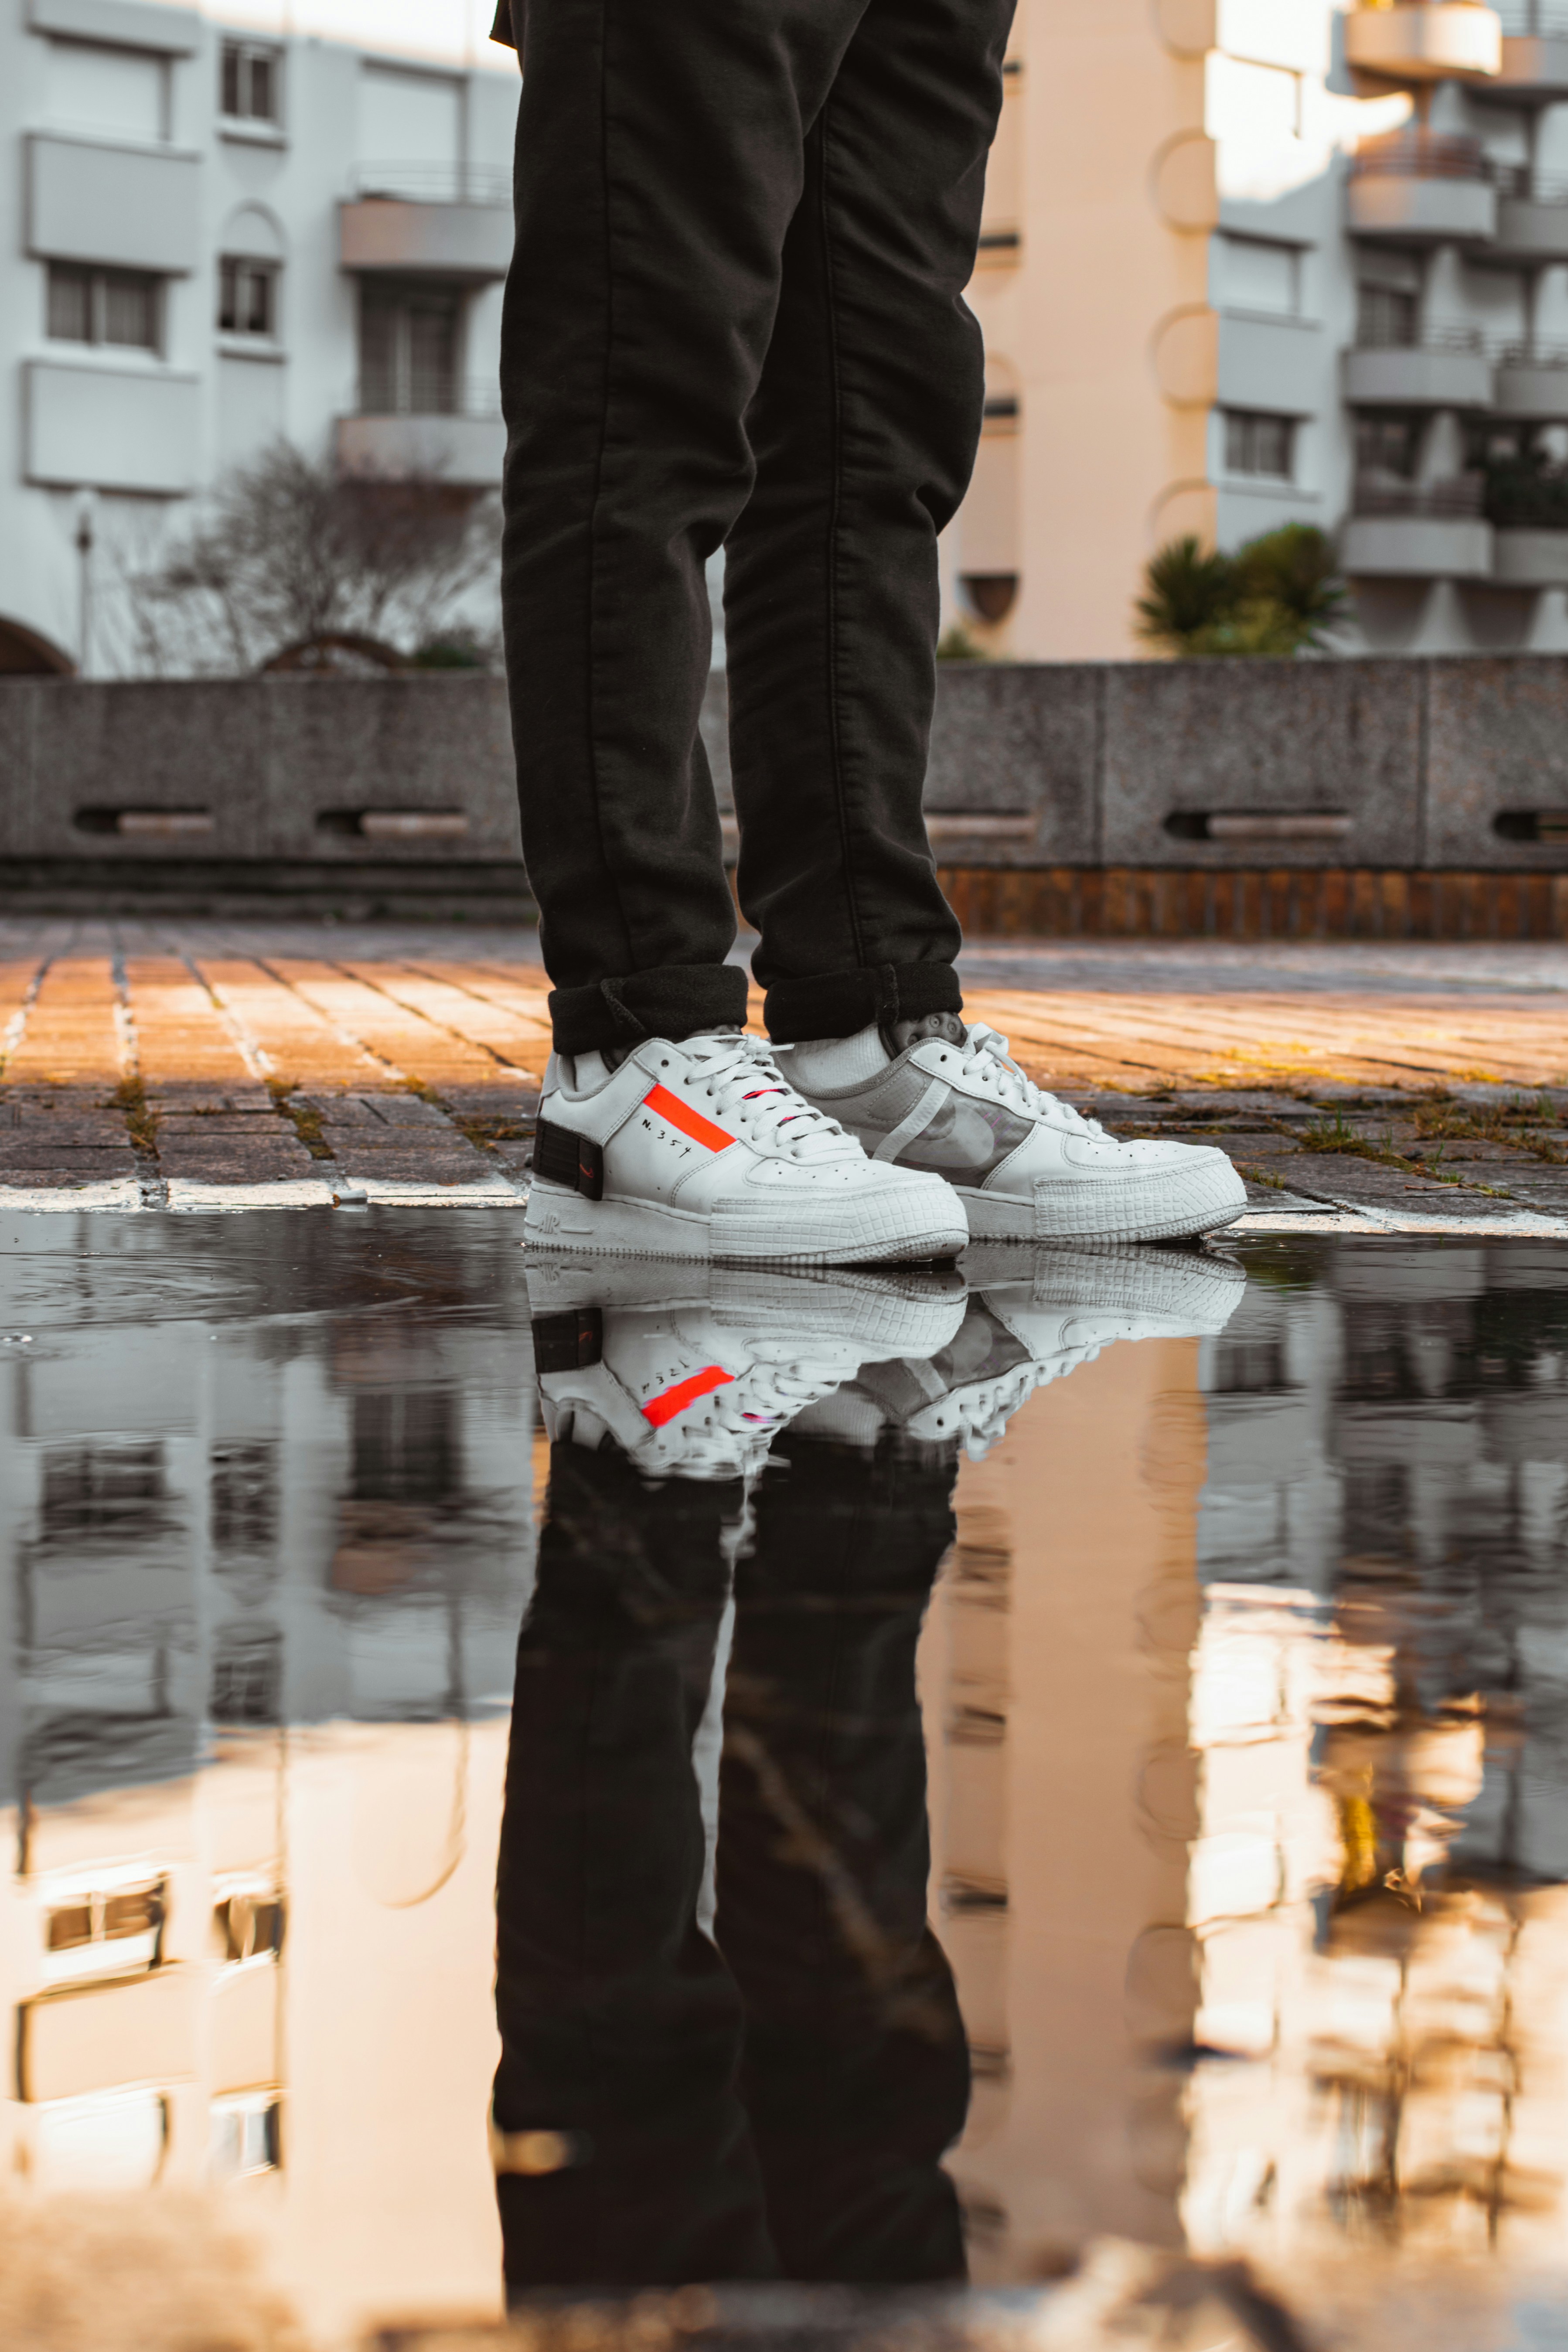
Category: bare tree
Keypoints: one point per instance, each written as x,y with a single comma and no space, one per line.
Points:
290,552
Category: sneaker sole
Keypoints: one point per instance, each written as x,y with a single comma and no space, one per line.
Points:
1101,1209
867,1235
1172,1293
902,1312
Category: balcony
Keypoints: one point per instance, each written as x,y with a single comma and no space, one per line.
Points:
1446,368
450,431
1423,187
1423,40
112,428
1409,530
1525,557
1534,53
1532,216
427,220
1532,383
125,208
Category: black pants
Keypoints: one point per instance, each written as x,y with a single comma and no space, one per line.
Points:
735,316
774,2104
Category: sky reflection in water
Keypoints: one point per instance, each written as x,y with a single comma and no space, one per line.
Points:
1217,1628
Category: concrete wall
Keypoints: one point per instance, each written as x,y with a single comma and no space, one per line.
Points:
1033,765
1422,758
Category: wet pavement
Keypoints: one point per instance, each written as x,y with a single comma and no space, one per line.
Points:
1027,1803
204,1064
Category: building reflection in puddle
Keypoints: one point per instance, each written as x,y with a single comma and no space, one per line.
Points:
267,1533
1227,1664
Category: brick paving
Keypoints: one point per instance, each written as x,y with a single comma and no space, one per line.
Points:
189,1063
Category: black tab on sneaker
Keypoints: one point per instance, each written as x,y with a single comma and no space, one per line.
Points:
562,1158
568,1342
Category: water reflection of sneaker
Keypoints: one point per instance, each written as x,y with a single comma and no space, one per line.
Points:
1039,1315
1026,1166
698,1383
701,1151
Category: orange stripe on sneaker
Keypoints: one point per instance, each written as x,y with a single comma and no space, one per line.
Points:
691,1122
663,1408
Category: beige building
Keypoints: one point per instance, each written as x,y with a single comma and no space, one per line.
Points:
1250,262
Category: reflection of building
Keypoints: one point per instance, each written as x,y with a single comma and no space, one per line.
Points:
1264,1796
1382,1951
262,1576
227,235
1251,262
1055,1669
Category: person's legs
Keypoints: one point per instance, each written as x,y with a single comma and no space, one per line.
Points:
620,2026
660,159
856,2073
864,431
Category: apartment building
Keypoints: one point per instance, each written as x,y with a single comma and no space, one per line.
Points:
1253,262
211,237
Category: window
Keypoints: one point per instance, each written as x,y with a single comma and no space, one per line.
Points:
248,1925
1258,444
1385,318
247,298
246,2134
71,304
103,306
1388,444
1261,275
104,1928
247,1675
249,82
408,350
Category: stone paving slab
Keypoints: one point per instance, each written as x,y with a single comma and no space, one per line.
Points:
192,1064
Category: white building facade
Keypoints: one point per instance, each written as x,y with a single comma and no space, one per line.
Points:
212,237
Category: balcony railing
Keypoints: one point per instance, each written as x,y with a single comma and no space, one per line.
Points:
1374,336
1514,182
435,183
426,393
1533,355
1421,155
1460,499
1523,19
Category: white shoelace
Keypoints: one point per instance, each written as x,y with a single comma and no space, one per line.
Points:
989,1057
739,1075
991,1406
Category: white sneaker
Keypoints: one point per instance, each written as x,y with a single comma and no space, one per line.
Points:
1039,1317
1026,1166
701,1151
698,1385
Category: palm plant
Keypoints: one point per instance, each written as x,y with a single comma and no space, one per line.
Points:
1280,594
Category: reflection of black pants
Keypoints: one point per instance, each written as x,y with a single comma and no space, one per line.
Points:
735,313
779,2111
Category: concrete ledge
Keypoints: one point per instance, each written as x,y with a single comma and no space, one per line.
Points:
1405,211
1417,547
1418,377
1530,559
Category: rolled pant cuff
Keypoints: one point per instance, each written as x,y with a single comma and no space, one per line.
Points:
675,1001
838,1004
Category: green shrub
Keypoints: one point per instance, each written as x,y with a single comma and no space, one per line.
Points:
1278,594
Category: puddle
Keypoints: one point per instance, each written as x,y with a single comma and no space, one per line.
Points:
1128,1700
